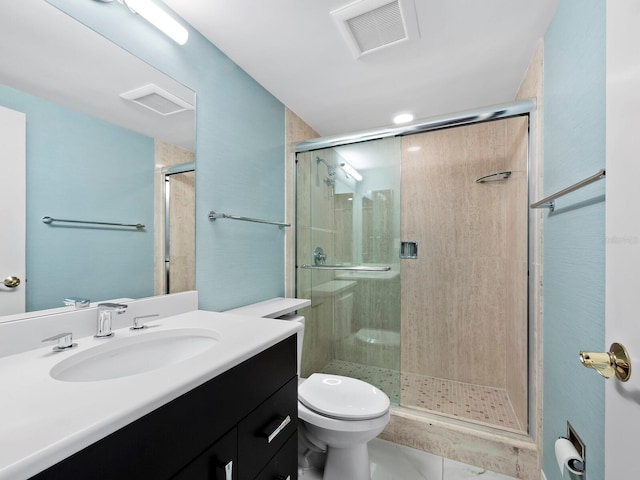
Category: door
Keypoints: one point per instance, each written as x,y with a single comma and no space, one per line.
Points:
622,401
180,229
12,211
347,236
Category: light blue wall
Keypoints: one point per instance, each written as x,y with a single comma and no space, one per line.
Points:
574,236
239,156
82,168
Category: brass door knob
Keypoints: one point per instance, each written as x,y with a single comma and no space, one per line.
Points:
11,282
614,362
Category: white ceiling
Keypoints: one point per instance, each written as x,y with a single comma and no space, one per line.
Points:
471,53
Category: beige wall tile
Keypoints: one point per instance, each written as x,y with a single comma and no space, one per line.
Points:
455,295
296,130
510,456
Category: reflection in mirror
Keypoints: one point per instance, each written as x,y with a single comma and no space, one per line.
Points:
377,215
92,155
365,203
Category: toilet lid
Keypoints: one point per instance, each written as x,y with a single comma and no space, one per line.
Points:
342,397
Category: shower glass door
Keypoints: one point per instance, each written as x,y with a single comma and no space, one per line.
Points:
347,247
458,307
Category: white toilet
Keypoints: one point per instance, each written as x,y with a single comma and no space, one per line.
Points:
338,417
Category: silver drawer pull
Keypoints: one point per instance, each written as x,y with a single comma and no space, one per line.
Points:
228,471
283,423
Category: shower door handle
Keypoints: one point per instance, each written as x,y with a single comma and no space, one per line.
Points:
352,268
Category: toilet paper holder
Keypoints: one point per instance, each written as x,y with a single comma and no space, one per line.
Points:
614,362
578,467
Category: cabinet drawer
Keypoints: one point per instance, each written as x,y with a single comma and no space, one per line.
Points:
284,465
265,430
218,462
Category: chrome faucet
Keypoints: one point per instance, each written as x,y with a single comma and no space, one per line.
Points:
105,315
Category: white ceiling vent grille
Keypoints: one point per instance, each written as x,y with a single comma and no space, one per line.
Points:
369,25
158,100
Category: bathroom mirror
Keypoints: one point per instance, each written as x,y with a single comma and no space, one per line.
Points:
92,155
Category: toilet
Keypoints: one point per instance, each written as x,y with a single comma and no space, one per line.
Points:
338,415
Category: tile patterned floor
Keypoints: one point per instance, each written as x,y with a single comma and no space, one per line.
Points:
389,461
475,403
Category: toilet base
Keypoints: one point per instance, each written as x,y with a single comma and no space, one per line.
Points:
351,463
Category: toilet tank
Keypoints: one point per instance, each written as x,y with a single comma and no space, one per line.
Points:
279,308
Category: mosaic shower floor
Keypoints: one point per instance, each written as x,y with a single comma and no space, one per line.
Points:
476,403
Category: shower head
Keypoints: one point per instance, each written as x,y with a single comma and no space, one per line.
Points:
330,168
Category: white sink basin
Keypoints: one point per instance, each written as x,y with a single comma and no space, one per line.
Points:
142,352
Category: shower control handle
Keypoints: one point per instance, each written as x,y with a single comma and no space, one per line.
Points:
319,257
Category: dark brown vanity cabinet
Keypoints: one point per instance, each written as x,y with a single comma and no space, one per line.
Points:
241,425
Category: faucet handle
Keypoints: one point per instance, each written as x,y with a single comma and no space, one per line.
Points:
77,302
65,341
138,322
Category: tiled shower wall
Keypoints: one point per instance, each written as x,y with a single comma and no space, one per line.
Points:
465,296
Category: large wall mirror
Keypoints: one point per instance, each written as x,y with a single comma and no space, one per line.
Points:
94,156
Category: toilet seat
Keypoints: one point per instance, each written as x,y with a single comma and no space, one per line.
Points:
342,398
335,424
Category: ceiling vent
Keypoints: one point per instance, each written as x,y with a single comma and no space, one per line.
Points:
158,100
370,25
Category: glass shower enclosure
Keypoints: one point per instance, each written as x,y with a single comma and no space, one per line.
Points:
414,252
348,228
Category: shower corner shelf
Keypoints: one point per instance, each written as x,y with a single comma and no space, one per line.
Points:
494,177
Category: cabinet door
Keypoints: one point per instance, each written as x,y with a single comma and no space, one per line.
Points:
218,462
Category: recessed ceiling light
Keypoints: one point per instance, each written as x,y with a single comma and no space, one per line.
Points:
415,148
402,118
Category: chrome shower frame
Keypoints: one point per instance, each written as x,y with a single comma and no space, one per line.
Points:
487,114
525,107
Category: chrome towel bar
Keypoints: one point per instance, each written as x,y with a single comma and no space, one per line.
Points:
214,216
356,268
548,202
50,220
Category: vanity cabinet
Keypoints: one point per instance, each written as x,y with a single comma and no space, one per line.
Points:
240,425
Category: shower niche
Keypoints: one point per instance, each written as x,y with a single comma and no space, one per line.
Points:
444,332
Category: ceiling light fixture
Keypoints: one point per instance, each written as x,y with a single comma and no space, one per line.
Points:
157,17
402,118
350,171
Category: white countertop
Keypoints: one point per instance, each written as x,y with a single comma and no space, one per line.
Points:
272,308
43,421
